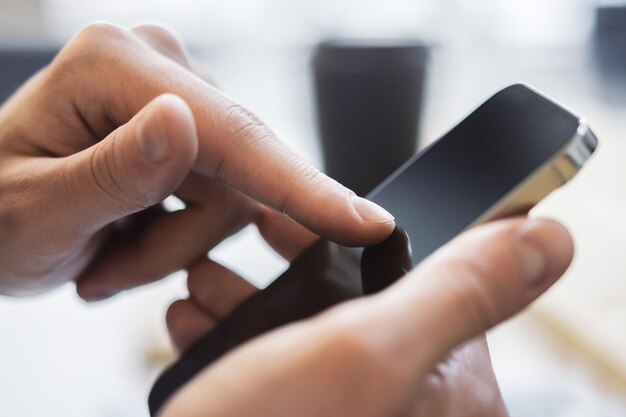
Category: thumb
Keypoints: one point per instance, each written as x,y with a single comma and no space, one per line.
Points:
472,284
379,349
136,166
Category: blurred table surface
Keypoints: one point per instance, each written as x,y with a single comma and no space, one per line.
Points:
564,357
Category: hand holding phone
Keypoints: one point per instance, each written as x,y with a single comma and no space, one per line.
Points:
406,351
501,160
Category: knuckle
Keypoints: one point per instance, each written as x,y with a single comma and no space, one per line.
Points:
108,174
159,35
311,175
310,178
102,32
102,171
245,126
93,45
243,132
163,41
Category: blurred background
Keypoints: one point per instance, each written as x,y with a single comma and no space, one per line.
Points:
566,356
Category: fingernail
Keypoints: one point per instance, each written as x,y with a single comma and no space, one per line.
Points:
370,212
97,296
152,140
531,257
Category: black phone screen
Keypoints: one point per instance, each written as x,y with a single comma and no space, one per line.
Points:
443,190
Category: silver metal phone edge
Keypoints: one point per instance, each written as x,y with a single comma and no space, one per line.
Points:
577,151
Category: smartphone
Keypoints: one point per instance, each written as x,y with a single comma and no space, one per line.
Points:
501,160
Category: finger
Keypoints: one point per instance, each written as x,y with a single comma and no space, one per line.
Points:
172,242
135,167
216,289
284,235
379,349
164,41
472,284
234,145
167,42
186,322
127,231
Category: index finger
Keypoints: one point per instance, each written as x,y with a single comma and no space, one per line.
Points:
122,74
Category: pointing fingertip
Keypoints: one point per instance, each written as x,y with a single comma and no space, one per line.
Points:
371,212
95,295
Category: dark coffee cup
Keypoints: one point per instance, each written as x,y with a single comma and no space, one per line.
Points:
369,99
609,54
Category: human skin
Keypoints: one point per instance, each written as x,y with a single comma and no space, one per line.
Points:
417,349
115,124
92,144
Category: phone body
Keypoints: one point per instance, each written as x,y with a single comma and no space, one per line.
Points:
499,161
